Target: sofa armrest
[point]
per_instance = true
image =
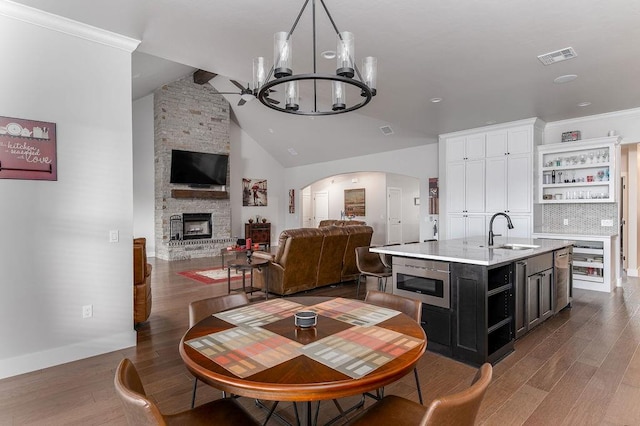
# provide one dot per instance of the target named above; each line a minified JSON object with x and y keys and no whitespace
{"x":263,"y":255}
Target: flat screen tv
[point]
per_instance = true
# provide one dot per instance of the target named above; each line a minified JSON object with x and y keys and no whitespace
{"x":198,"y":169}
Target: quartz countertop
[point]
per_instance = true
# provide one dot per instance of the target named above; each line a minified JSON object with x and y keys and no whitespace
{"x":473,"y":251}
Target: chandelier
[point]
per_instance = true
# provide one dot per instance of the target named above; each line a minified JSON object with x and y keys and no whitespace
{"x":347,"y":80}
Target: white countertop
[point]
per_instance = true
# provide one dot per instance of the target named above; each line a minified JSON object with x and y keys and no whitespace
{"x":473,"y":251}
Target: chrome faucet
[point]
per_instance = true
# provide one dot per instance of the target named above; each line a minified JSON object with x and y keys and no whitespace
{"x":491,"y":234}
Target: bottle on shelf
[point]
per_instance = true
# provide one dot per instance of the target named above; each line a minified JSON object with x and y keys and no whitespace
{"x":553,"y":176}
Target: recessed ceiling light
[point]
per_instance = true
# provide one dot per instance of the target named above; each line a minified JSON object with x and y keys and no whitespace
{"x":584,"y":104}
{"x":565,"y":78}
{"x":136,"y":75}
{"x":491,"y":122}
{"x":270,"y":130}
{"x":292,"y":151}
{"x":328,"y":54}
{"x":435,"y":100}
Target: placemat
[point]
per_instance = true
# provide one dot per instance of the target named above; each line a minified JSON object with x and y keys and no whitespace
{"x":259,"y":314}
{"x":353,"y":311}
{"x":359,"y":350}
{"x":245,"y":351}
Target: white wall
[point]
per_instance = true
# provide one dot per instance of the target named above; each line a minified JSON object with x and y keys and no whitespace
{"x":55,"y":254}
{"x":420,"y":162}
{"x":626,"y":123}
{"x":410,"y":211}
{"x":143,"y":172}
{"x":247,"y":159}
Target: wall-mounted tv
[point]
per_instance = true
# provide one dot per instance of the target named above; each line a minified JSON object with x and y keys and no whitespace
{"x":198,"y":169}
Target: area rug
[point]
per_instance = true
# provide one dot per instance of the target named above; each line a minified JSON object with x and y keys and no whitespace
{"x":212,"y":275}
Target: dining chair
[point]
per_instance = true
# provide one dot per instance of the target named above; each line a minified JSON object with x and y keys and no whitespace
{"x":201,"y":309}
{"x":460,"y":409}
{"x":370,"y":265}
{"x":139,"y":410}
{"x":410,"y":307}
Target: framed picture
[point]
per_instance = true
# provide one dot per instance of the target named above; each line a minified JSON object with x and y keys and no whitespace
{"x":354,"y":202}
{"x":27,"y":149}
{"x":254,"y":192}
{"x":292,"y":201}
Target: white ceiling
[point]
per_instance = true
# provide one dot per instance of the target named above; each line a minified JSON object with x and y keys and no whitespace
{"x":479,"y":56}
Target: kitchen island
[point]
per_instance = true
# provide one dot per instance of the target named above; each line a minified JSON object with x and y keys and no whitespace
{"x":478,"y":299}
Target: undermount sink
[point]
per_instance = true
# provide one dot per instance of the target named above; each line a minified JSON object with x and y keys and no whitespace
{"x":516,"y":246}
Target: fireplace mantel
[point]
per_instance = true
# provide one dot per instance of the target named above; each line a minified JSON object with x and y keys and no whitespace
{"x":199,"y":193}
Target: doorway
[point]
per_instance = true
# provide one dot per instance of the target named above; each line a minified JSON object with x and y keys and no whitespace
{"x":320,"y":207}
{"x":394,"y":216}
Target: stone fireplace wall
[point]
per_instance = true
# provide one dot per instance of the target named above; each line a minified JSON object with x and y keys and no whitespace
{"x":191,"y":117}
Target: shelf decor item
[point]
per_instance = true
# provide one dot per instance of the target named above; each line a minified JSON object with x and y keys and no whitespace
{"x":27,"y":149}
{"x":573,"y":135}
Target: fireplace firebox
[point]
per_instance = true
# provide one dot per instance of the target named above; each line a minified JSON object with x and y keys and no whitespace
{"x":196,"y":225}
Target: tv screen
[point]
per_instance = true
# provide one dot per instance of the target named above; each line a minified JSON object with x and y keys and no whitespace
{"x":198,"y":168}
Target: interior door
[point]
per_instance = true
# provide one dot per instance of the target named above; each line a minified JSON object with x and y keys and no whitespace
{"x":394,"y":215}
{"x":320,"y":207}
{"x":307,"y":211}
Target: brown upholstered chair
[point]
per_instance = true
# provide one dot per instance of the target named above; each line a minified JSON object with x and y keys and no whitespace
{"x":359,"y":236}
{"x":201,"y":309}
{"x":370,"y":265}
{"x":460,"y":409}
{"x":409,"y":307}
{"x":141,"y":281}
{"x":140,"y":410}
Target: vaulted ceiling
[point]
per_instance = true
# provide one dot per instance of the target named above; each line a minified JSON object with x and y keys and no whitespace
{"x":480,"y":57}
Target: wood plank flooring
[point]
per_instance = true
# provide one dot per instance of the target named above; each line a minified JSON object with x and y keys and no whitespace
{"x":581,"y":367}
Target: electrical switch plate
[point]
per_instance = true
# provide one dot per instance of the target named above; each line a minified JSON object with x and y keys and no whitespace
{"x":87,"y":311}
{"x":114,"y":236}
{"x":606,"y":222}
{"x":565,"y":221}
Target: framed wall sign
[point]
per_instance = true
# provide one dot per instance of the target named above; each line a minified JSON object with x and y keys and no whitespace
{"x":27,"y":149}
{"x":292,"y":201}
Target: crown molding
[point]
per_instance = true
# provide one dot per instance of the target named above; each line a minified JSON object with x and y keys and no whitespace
{"x":533,"y":121}
{"x":596,"y":117}
{"x":67,"y":26}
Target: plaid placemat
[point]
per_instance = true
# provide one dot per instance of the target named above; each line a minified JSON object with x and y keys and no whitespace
{"x":260,"y":314}
{"x":245,"y":351}
{"x":359,"y":350}
{"x":353,"y":311}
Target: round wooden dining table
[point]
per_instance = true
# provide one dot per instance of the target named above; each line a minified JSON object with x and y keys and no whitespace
{"x":301,"y":378}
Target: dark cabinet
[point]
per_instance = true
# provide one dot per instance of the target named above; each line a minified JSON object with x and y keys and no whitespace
{"x":534,"y":292}
{"x":258,"y":232}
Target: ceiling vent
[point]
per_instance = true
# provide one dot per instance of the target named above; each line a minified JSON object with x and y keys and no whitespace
{"x":558,"y":56}
{"x":386,"y":130}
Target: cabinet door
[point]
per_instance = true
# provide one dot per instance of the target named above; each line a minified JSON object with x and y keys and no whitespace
{"x":455,"y":149}
{"x":519,"y":183}
{"x":546,"y":294}
{"x":521,"y":226}
{"x":496,"y":195}
{"x":520,"y":141}
{"x":496,"y":144}
{"x":533,"y":301}
{"x":474,"y":146}
{"x":475,"y":226}
{"x":456,"y":226}
{"x":521,"y":298}
{"x":456,"y":187}
{"x":474,"y":186}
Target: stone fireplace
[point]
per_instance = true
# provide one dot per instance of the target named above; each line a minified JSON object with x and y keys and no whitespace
{"x":190,"y":117}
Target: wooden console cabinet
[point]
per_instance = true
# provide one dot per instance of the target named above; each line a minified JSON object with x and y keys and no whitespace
{"x":258,"y":232}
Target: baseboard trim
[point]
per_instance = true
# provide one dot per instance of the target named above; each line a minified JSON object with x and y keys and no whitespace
{"x":38,"y":360}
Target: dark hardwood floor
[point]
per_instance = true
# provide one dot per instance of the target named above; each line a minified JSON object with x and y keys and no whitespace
{"x":581,"y":367}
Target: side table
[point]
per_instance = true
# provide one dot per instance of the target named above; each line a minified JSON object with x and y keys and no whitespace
{"x":244,"y":265}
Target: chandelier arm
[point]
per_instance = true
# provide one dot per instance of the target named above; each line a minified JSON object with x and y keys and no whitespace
{"x":295,"y":24}
{"x":315,"y":86}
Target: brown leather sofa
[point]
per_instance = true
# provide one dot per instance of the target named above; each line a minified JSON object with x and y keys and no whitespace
{"x":313,"y":257}
{"x":335,"y":222}
{"x":141,"y":281}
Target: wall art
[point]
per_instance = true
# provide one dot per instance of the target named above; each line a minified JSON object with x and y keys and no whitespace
{"x":292,"y":201}
{"x":27,"y":149}
{"x":254,"y":192}
{"x":354,"y":202}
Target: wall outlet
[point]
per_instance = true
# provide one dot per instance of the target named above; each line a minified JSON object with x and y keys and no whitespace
{"x":565,"y":221}
{"x":87,"y":311}
{"x":606,"y":222}
{"x":114,"y":236}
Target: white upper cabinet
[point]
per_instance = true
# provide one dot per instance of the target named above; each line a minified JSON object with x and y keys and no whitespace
{"x":466,"y":148}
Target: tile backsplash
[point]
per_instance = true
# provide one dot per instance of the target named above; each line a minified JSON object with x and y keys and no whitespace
{"x":583,"y":218}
